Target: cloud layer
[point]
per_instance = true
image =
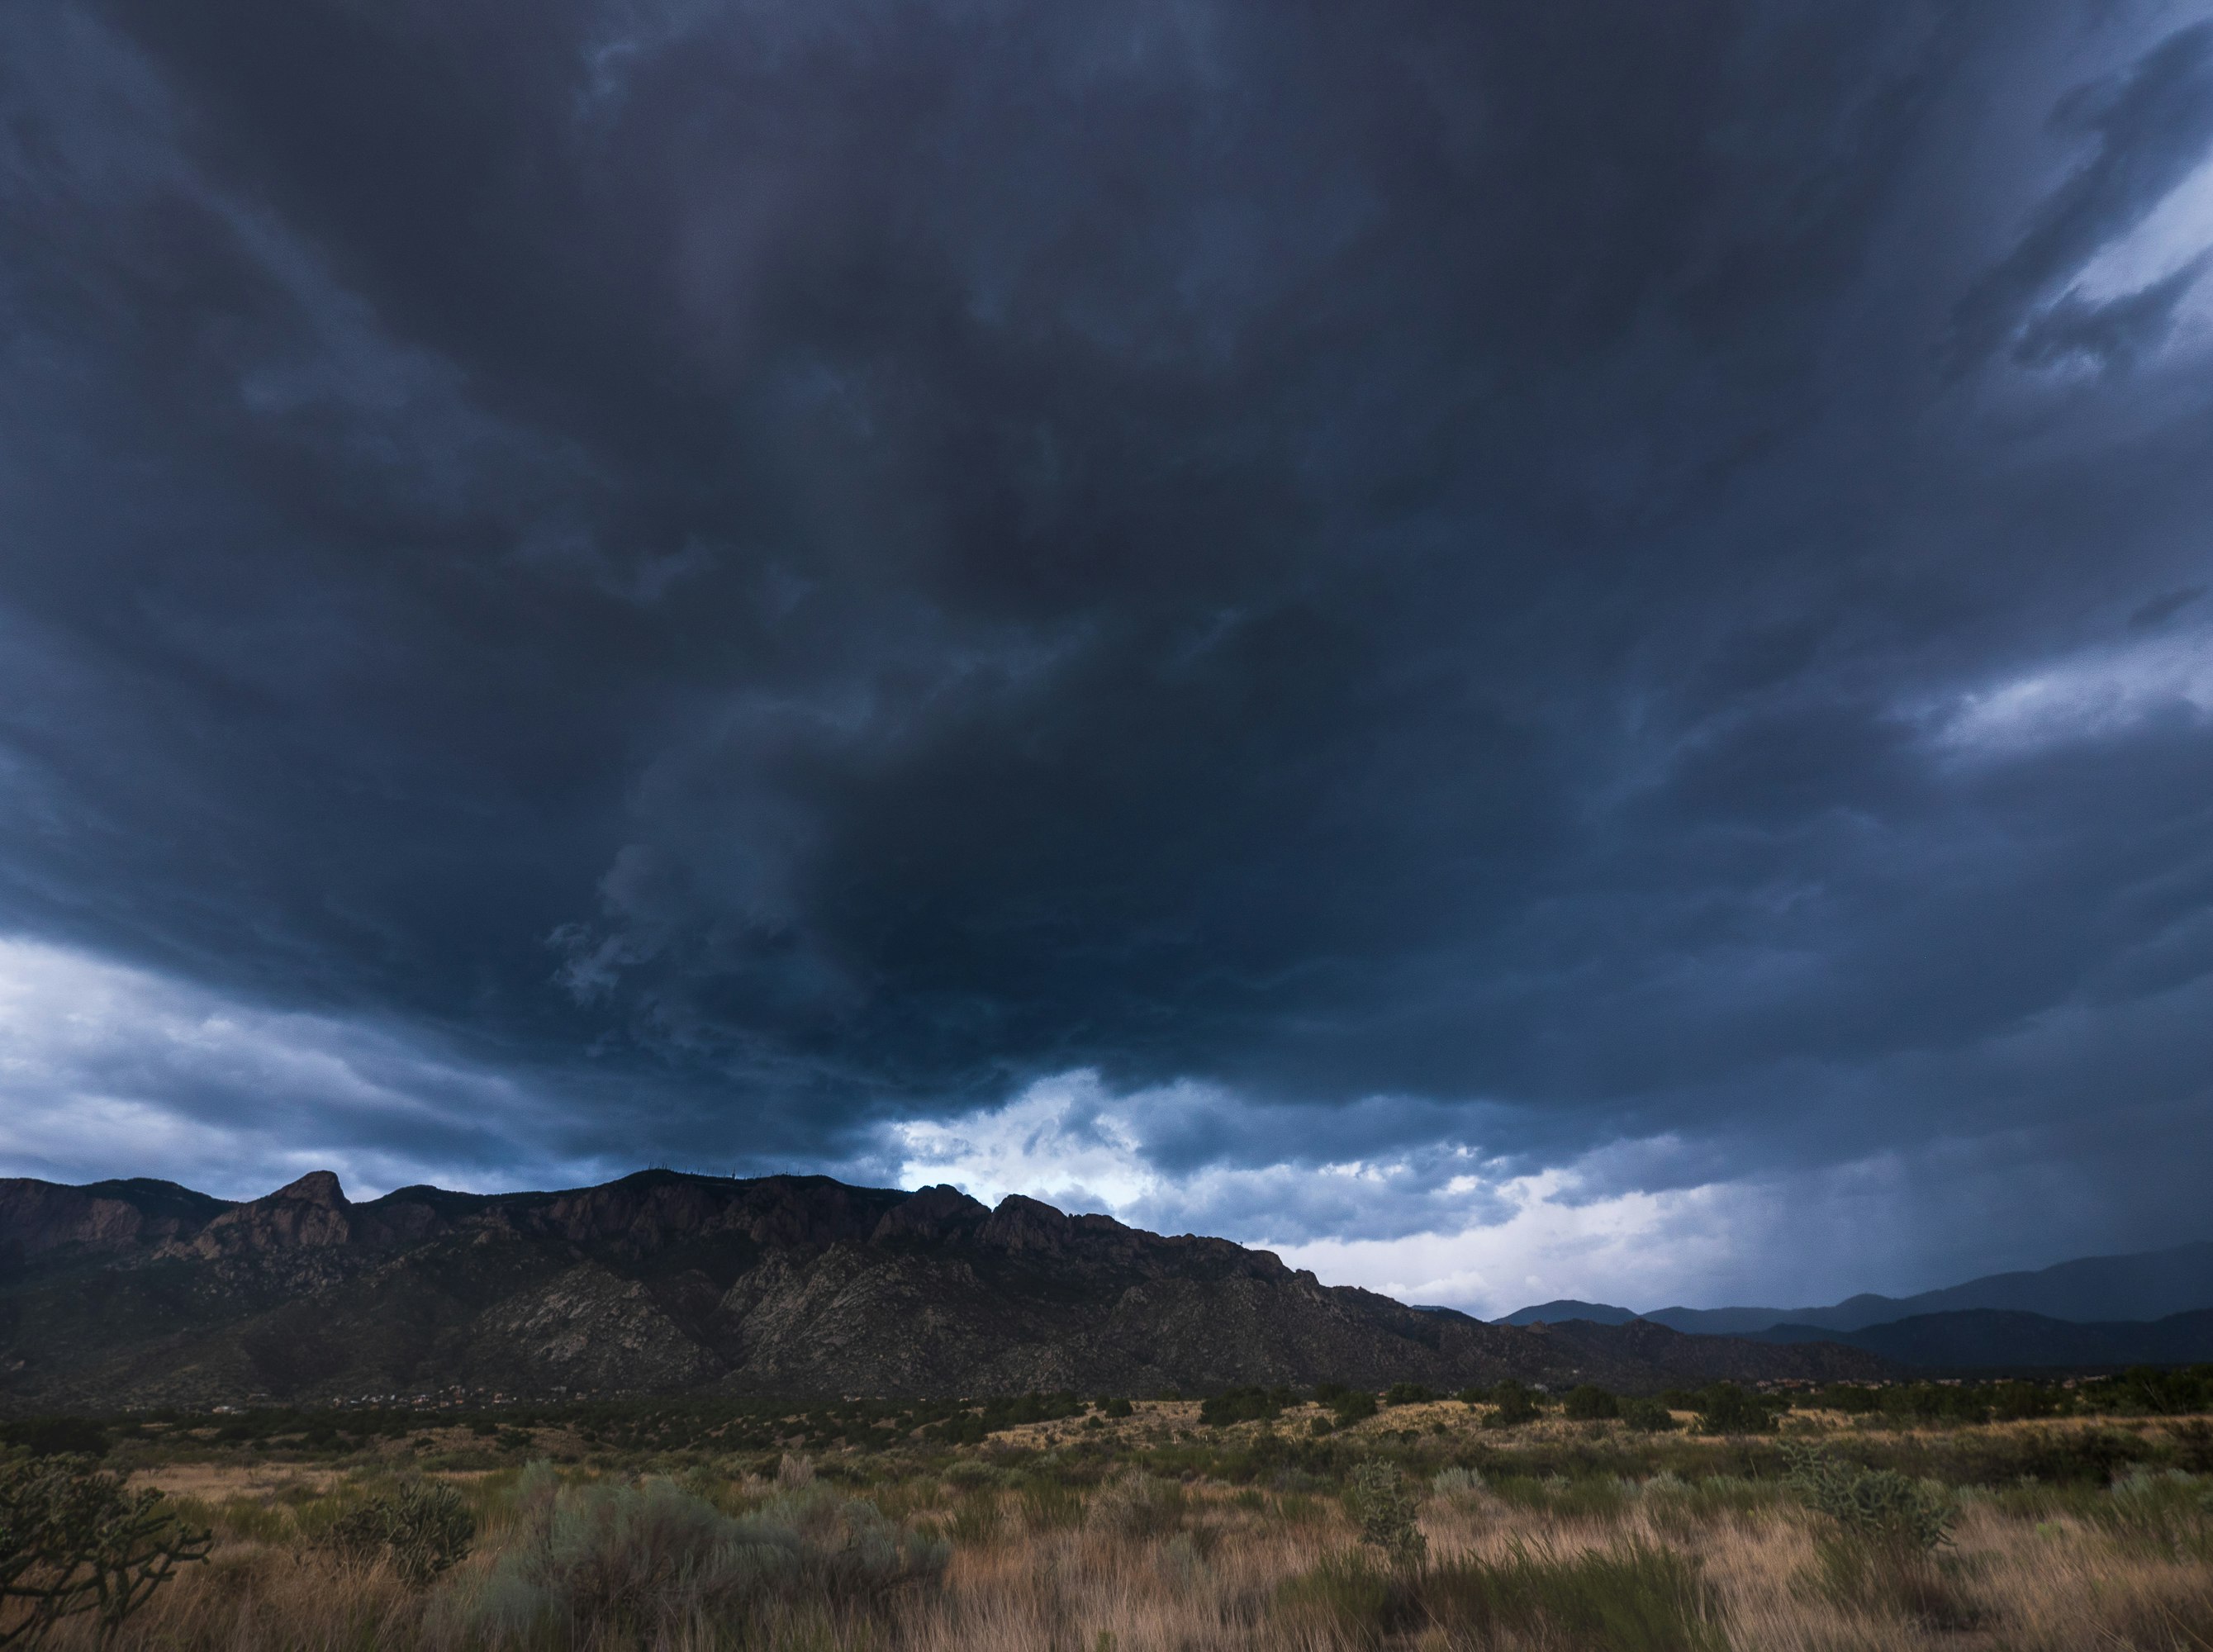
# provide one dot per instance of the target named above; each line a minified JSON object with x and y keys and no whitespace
{"x":1535,"y":634}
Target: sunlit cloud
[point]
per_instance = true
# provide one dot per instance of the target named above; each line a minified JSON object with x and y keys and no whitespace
{"x":2085,"y":696}
{"x":1439,"y":1224}
{"x":2176,"y":234}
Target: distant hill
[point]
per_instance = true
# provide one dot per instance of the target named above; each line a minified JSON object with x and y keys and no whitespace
{"x":1988,"y":1339}
{"x":2094,"y":1290}
{"x":1566,"y":1308}
{"x":140,"y":1293}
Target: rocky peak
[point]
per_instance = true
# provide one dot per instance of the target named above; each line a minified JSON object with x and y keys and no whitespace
{"x":1022,"y":1224}
{"x":308,"y":1214}
{"x":931,"y":1216}
{"x":316,"y":1187}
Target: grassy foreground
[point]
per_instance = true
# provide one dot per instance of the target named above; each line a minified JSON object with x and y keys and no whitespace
{"x":1142,"y":1533}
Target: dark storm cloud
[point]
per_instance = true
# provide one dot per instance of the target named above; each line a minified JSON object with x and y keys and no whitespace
{"x":1560,"y":575}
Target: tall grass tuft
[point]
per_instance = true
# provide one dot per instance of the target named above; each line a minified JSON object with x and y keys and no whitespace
{"x":1637,"y":1598}
{"x":591,"y":1564}
{"x":1135,"y":1504}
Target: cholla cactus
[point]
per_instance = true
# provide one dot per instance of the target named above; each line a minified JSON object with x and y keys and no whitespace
{"x":424,"y":1527}
{"x":73,"y":1540}
{"x":1876,"y":1504}
{"x":1383,"y":1509}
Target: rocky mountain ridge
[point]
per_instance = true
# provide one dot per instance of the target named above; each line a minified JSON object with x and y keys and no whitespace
{"x":128,"y":1293}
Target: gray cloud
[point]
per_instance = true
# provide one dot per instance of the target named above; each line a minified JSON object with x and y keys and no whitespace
{"x":1491,"y":589}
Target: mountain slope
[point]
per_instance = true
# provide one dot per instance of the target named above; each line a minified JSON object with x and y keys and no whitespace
{"x":2090,"y":1291}
{"x":140,"y":1293}
{"x":1988,"y":1338}
{"x":1566,"y":1308}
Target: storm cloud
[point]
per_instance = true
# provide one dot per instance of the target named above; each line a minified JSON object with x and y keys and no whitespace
{"x":1352,"y":625}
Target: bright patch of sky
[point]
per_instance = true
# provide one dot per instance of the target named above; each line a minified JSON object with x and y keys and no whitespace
{"x":2175,"y":234}
{"x":1487,"y":1243}
{"x":108,"y":1070}
{"x":2095,"y":693}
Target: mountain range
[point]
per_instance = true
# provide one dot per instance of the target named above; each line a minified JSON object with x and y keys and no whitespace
{"x":2151,"y":1308}
{"x":143,"y":1293}
{"x":1991,"y":1339}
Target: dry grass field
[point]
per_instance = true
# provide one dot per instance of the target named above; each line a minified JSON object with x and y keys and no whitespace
{"x":1150,"y":1533}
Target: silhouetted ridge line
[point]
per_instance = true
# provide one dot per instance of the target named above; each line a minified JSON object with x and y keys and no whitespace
{"x":132,"y":1293}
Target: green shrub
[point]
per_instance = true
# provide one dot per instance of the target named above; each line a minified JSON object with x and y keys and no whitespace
{"x":1647,"y":1416}
{"x":1381,"y":1506}
{"x":1876,"y":1504}
{"x":2192,"y":1444}
{"x":1346,"y":1404}
{"x":1727,"y":1409}
{"x":424,"y":1528}
{"x":2158,"y":1514}
{"x":55,"y":1437}
{"x":72,"y":1540}
{"x":1116,"y":1408}
{"x":1408,"y":1393}
{"x":1512,"y":1405}
{"x":1248,"y":1404}
{"x":961,"y":1429}
{"x":1587,"y":1497}
{"x":1588,"y":1403}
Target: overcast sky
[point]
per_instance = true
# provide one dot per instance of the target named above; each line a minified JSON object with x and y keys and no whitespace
{"x":1517,"y":649}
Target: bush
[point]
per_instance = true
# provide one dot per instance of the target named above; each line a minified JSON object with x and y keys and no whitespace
{"x":1249,"y":1405}
{"x":1727,"y":1409}
{"x":1647,"y":1416}
{"x":1381,"y":1506}
{"x":1877,"y":1504}
{"x":1408,"y":1393}
{"x":961,"y":1429}
{"x":55,"y":1437}
{"x":1456,"y":1482}
{"x":1346,"y":1404}
{"x":1588,"y":1403}
{"x":2159,"y":1515}
{"x":424,"y":1528}
{"x":597,"y":1564}
{"x":1116,"y":1408}
{"x":2193,"y":1446}
{"x":1512,"y":1405}
{"x":72,"y":1540}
